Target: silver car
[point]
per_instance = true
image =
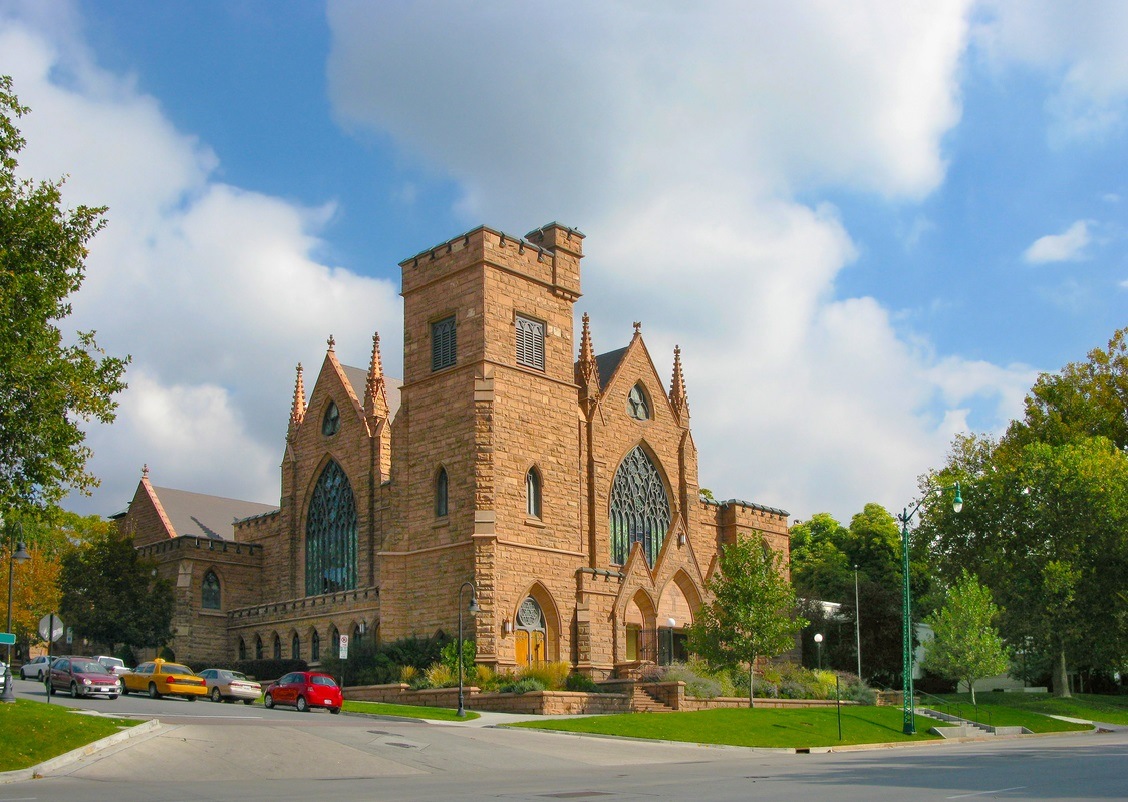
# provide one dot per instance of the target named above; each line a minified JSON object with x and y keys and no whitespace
{"x":228,"y":686}
{"x":115,"y":665}
{"x":36,"y":668}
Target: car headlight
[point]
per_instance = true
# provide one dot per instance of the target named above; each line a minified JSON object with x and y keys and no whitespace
{"x":86,"y":681}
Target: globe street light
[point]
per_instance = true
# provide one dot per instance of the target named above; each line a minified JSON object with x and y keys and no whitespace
{"x":818,"y":643}
{"x":473,"y":609}
{"x":16,"y":553}
{"x":908,"y":714}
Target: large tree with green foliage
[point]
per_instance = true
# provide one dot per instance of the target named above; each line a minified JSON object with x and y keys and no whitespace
{"x":752,"y":614}
{"x":1046,"y":519}
{"x":966,"y":645}
{"x":112,"y":595}
{"x":49,"y":382}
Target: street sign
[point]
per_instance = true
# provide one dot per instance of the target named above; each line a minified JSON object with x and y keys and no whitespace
{"x":7,"y":639}
{"x":344,"y":647}
{"x":51,"y":627}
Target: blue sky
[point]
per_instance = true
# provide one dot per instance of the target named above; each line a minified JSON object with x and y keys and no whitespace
{"x":868,"y":225}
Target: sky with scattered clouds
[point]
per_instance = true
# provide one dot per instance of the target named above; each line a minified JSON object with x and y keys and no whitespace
{"x":868,"y":225}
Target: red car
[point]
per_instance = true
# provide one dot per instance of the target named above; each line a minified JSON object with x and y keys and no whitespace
{"x":303,"y":690}
{"x":81,"y":676}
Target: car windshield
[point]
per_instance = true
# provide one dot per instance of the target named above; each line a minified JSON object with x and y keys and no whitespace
{"x":88,"y":667}
{"x":110,"y":661}
{"x":316,"y":680}
{"x":235,"y":675}
{"x":173,"y":668}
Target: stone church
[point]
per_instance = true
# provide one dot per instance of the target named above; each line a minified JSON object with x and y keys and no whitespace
{"x":511,"y":464}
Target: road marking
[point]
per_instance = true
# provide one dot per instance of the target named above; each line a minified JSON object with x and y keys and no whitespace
{"x":982,"y":793}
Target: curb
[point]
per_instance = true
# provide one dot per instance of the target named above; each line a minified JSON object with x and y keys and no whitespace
{"x":145,"y":728}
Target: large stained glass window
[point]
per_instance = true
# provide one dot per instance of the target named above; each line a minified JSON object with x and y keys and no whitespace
{"x":640,"y":509}
{"x":331,"y":534}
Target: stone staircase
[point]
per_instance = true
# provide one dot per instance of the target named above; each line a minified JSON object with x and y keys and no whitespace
{"x":642,"y":701}
{"x":963,"y":728}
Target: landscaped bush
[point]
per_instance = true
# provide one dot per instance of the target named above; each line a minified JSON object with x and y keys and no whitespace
{"x":551,"y":676}
{"x":526,"y":685}
{"x":372,"y":663}
{"x":698,"y":683}
{"x":439,"y":675}
{"x":581,"y":683}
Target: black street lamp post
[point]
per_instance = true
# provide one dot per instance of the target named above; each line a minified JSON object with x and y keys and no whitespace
{"x":16,"y":553}
{"x":473,"y":609}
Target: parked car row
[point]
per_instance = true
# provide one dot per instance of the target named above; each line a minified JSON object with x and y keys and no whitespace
{"x":108,"y":676}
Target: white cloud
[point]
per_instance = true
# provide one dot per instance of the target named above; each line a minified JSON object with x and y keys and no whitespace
{"x":677,"y":139}
{"x":1081,"y":48}
{"x":1068,"y":246}
{"x":212,"y":289}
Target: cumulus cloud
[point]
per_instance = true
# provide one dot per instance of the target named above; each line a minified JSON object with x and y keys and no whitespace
{"x":1068,"y":246}
{"x":679,"y":140}
{"x":213,"y":290}
{"x":1080,"y":46}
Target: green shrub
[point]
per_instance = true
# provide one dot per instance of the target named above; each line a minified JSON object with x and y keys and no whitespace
{"x":408,"y":674}
{"x":439,"y":675}
{"x":551,"y":676}
{"x":525,"y":685}
{"x":581,"y":683}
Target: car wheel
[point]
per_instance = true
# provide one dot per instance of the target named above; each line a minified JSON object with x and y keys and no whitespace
{"x":74,"y":690}
{"x":113,"y":696}
{"x":191,"y":698}
{"x":269,"y":702}
{"x":22,"y":674}
{"x":216,"y":696}
{"x":334,"y":710}
{"x":124,"y":690}
{"x":153,"y":692}
{"x":302,"y":705}
{"x":248,"y":701}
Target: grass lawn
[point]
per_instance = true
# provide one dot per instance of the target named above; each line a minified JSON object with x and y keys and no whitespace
{"x":1109,"y":709}
{"x":407,"y":711}
{"x":31,"y":732}
{"x":763,"y":727}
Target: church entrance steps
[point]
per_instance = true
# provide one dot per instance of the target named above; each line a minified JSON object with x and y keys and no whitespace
{"x":642,"y":701}
{"x":965,"y":728}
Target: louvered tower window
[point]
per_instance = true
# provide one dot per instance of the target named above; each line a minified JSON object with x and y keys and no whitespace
{"x":640,"y":509}
{"x":331,"y":534}
{"x":444,"y":344}
{"x":530,"y":343}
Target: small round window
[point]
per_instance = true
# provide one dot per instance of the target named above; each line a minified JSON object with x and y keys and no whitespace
{"x":636,"y":403}
{"x":332,"y":420}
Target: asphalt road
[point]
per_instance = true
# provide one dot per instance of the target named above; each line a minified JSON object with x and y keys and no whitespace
{"x":225,"y":752}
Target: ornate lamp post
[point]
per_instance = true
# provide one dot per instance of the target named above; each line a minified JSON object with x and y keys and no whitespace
{"x":857,"y":623}
{"x":908,"y":712}
{"x":473,"y":609}
{"x":16,"y":553}
{"x":818,"y":643}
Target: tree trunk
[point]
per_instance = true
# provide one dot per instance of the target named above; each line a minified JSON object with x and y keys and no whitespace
{"x":751,"y":674}
{"x":971,"y":687}
{"x":1061,"y":677}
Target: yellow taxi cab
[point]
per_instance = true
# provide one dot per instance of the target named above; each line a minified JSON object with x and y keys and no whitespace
{"x":161,"y":678}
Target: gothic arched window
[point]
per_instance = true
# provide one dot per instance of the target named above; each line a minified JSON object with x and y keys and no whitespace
{"x":637,"y":406}
{"x":331,"y":423}
{"x":331,"y":534}
{"x":209,"y":593}
{"x":314,"y":646}
{"x":258,"y":647}
{"x":242,"y":649}
{"x":277,"y":647}
{"x":295,"y":647}
{"x":640,"y":509}
{"x":441,"y":494}
{"x":533,"y":493}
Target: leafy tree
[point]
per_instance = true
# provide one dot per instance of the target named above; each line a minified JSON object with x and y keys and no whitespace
{"x":967,"y":646}
{"x":1085,"y":399}
{"x":752,"y":612}
{"x":47,"y":386}
{"x":1046,"y":528}
{"x":111,"y":595}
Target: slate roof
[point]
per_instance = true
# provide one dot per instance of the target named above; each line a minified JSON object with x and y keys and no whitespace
{"x":203,"y":516}
{"x":358,"y":378}
{"x":607,"y":363}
